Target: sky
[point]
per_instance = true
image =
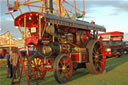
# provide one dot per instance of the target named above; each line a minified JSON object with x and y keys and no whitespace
{"x":112,"y":14}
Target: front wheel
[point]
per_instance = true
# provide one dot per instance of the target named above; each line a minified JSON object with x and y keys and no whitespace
{"x":63,"y":68}
{"x":37,"y":62}
{"x":97,"y":57}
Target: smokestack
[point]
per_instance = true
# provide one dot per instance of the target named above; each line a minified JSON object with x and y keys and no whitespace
{"x":49,"y":6}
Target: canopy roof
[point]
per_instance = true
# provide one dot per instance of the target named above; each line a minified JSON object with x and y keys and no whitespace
{"x":31,"y":19}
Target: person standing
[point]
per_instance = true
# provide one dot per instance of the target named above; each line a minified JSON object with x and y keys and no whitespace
{"x":8,"y":65}
{"x":14,"y":60}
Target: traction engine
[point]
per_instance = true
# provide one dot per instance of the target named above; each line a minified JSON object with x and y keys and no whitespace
{"x":56,"y":42}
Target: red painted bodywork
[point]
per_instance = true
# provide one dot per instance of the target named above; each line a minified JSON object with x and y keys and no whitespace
{"x":33,"y":40}
{"x":19,"y":21}
{"x":79,"y":56}
{"x":84,"y":37}
{"x":112,"y":33}
{"x":92,"y":22}
{"x":32,"y":20}
{"x":109,"y":53}
{"x":75,"y":57}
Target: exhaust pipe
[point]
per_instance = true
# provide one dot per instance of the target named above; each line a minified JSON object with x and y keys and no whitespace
{"x":49,"y":6}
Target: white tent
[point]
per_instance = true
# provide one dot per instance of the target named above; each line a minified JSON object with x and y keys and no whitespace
{"x":7,"y":40}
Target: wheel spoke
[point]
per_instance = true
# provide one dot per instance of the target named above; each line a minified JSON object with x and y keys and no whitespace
{"x":61,"y":63}
{"x":34,"y":62}
{"x":99,"y":49}
{"x":59,"y":68}
{"x":101,"y":62}
{"x":67,"y":63}
{"x":61,"y":74}
{"x":94,"y":51}
{"x":100,"y":54}
{"x":66,"y":75}
{"x":64,"y":60}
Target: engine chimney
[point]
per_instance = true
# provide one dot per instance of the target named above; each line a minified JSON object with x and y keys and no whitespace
{"x":49,"y":6}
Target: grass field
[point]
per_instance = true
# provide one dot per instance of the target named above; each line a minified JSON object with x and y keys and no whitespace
{"x":116,"y":74}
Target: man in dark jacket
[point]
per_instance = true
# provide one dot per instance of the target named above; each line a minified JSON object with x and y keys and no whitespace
{"x":9,"y":66}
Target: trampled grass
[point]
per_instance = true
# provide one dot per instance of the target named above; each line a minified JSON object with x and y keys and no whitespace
{"x":116,"y":74}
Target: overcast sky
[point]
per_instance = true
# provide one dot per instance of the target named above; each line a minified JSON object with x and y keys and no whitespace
{"x":113,"y":14}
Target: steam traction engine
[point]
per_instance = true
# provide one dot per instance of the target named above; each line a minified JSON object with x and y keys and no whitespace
{"x":60,"y":43}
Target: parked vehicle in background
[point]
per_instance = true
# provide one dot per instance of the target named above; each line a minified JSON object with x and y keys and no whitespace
{"x":113,"y":43}
{"x":125,"y":43}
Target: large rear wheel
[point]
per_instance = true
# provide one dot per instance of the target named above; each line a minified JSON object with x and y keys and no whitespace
{"x":97,"y":57}
{"x":63,"y":68}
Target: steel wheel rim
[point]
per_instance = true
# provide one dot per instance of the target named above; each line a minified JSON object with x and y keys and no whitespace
{"x":64,"y":68}
{"x":99,"y":57}
{"x":37,"y":62}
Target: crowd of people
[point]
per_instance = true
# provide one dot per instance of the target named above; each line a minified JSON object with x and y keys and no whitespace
{"x":12,"y":59}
